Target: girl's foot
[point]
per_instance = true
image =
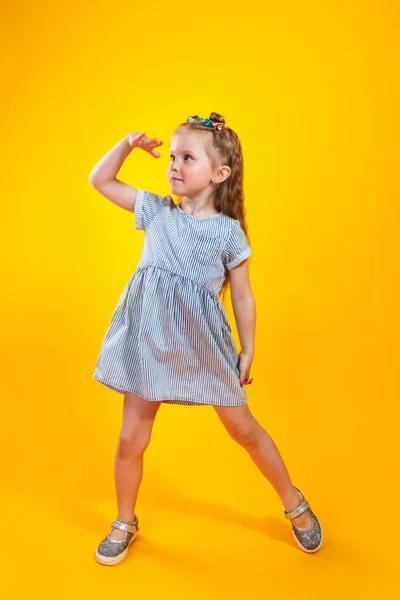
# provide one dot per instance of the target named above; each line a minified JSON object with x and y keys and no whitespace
{"x":114,"y":548}
{"x":309,"y":538}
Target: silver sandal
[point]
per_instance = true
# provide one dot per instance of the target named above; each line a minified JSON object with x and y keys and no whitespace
{"x":309,"y":539}
{"x":112,"y":552}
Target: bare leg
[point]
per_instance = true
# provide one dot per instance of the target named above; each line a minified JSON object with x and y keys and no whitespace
{"x":135,"y":434}
{"x":244,"y":428}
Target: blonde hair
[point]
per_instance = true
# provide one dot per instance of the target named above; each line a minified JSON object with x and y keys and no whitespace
{"x":223,"y":148}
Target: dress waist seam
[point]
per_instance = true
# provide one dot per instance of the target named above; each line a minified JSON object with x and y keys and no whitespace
{"x":179,"y":275}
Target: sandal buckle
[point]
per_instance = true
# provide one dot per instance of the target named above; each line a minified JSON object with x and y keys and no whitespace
{"x":124,"y":525}
{"x":296,"y":512}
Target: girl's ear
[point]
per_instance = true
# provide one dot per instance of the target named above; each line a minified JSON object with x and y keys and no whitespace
{"x":222,"y":174}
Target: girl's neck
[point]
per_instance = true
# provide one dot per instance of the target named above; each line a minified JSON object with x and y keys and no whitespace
{"x":192,"y":208}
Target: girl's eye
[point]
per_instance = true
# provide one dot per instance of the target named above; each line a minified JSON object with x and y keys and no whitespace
{"x":172,"y":156}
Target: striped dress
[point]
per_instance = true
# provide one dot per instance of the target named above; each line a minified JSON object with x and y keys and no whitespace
{"x":169,"y":338}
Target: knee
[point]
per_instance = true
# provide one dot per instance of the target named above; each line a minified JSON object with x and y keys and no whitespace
{"x":133,"y":444}
{"x":245,"y":433}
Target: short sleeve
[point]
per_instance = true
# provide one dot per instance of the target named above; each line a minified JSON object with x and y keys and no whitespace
{"x":147,"y":206}
{"x":237,"y":248}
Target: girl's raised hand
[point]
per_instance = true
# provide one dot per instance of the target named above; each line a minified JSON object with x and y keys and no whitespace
{"x":139,"y":140}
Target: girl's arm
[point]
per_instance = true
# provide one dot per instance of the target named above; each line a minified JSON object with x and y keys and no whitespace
{"x":244,"y":309}
{"x":103,"y":176}
{"x":244,"y":306}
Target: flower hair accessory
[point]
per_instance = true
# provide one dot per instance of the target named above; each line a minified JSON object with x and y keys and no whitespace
{"x":207,"y":122}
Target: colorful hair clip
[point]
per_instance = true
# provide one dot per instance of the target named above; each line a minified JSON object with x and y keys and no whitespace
{"x":207,"y":122}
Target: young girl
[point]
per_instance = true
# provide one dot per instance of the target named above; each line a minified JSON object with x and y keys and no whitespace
{"x":169,"y":340}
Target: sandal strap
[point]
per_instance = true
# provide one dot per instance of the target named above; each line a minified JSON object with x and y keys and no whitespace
{"x":124,"y":525}
{"x":293,"y":514}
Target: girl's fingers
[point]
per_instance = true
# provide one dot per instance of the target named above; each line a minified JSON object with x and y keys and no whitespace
{"x":153,"y":145}
{"x":146,"y":143}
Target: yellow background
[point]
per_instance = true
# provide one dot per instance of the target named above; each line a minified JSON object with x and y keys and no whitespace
{"x":312,"y":88}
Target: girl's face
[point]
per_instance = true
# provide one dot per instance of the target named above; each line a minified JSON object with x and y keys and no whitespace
{"x":190,"y":171}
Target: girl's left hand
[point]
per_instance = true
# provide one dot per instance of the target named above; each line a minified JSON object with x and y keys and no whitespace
{"x":245,"y":360}
{"x":140,"y":140}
